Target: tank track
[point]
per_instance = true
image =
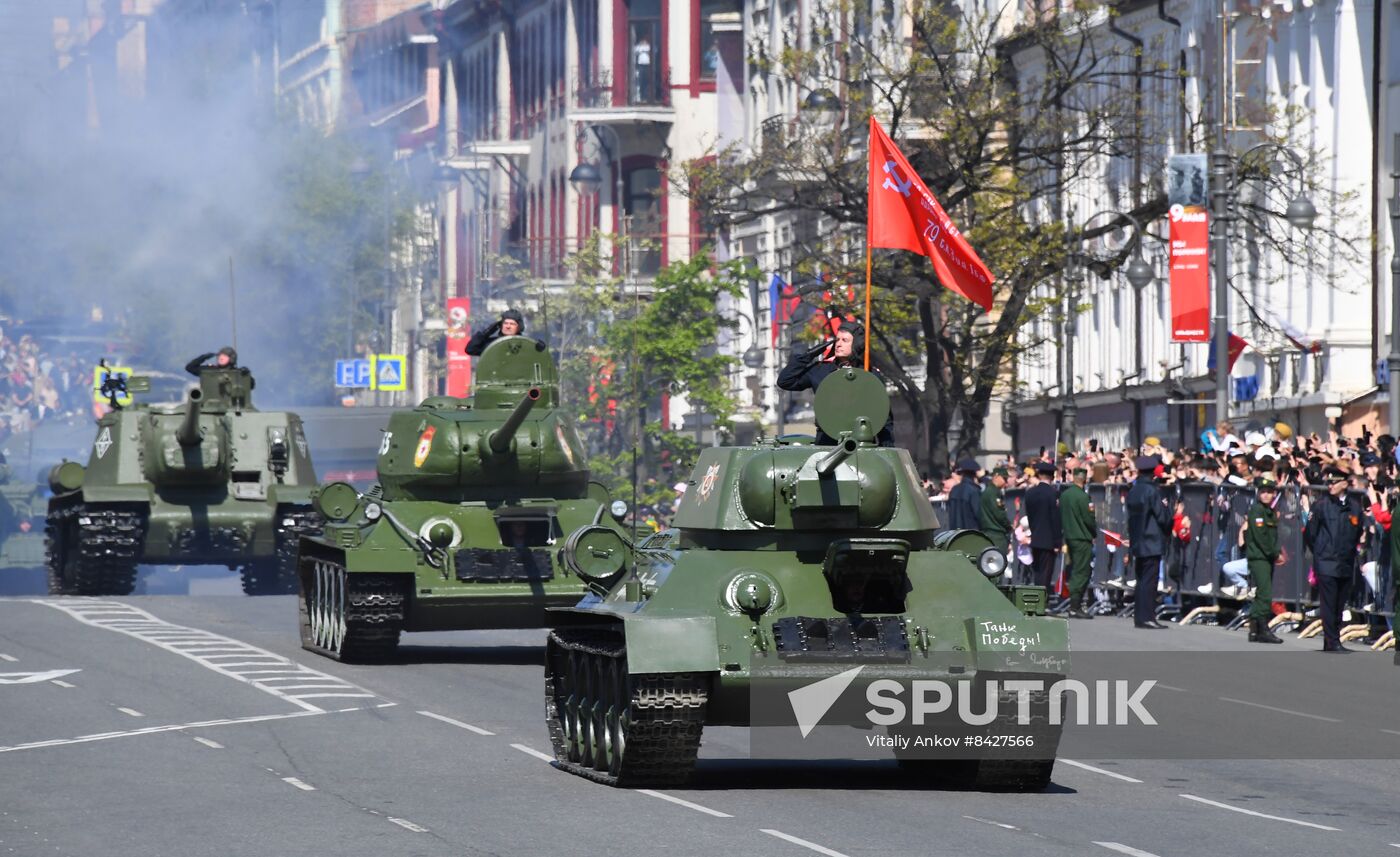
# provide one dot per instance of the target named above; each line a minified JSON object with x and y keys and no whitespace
{"x":93,"y":550}
{"x":619,"y":729}
{"x":278,"y":576}
{"x":355,"y":618}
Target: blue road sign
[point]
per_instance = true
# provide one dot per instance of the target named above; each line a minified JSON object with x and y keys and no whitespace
{"x":352,"y":373}
{"x":389,"y":372}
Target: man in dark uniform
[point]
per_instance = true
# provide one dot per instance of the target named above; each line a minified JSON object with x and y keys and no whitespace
{"x":224,"y":358}
{"x":965,"y":498}
{"x":511,"y":323}
{"x":1261,"y":549}
{"x":1149,"y":522}
{"x":1080,"y":529}
{"x":1043,"y":512}
{"x":991,"y":512}
{"x":807,"y":370}
{"x":1333,"y":534}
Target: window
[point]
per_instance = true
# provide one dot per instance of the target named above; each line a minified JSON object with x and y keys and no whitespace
{"x":716,"y":18}
{"x":645,"y":55}
{"x":647,"y":228}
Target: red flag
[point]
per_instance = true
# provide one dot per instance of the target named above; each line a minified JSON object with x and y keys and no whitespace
{"x":903,"y":215}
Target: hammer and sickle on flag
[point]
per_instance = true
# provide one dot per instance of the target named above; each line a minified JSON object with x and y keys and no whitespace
{"x":893,"y":221}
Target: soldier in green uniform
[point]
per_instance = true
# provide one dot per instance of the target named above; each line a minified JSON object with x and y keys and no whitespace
{"x":1080,"y":528}
{"x":1261,"y":549}
{"x":991,"y":514}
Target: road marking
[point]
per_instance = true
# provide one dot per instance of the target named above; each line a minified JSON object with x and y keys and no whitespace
{"x":533,"y":752}
{"x":1244,"y":811}
{"x":992,"y":823}
{"x":34,"y":677}
{"x":210,"y":650}
{"x":1125,"y":849}
{"x":293,"y":781}
{"x":1280,"y":710}
{"x":467,"y":726}
{"x":1391,"y":732}
{"x":1085,"y":767}
{"x":61,"y":683}
{"x":11,"y":658}
{"x":133,"y":712}
{"x":149,"y":730}
{"x":213,"y":745}
{"x":804,"y":843}
{"x":685,"y":803}
{"x":408,"y":825}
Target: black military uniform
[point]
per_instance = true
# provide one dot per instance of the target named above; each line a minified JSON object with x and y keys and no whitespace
{"x":965,"y":499}
{"x":1261,"y":548}
{"x":1043,"y":513}
{"x":1080,"y":529}
{"x":486,"y":336}
{"x":197,"y":363}
{"x":806,"y":371}
{"x":991,"y":514}
{"x":1334,"y":534}
{"x":1149,"y":523}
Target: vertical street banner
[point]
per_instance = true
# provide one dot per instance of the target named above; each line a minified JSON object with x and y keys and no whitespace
{"x":459,"y":364}
{"x":1190,"y":273}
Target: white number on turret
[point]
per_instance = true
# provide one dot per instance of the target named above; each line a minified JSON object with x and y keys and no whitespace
{"x":384,"y":442}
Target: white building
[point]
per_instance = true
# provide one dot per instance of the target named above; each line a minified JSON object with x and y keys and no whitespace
{"x":1313,"y":62}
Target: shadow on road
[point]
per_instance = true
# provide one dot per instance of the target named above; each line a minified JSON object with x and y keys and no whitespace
{"x":736,"y":774}
{"x":495,"y":655}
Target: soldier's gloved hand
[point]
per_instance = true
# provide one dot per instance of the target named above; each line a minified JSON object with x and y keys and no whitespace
{"x":494,"y":329}
{"x":815,"y":352}
{"x":203,"y":357}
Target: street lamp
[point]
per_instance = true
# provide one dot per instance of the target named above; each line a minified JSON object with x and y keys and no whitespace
{"x":1300,"y":214}
{"x":822,"y":100}
{"x":1139,"y":273}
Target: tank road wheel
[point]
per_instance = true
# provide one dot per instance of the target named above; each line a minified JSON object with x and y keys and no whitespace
{"x":93,"y":550}
{"x":616,"y":728}
{"x":350,"y":617}
{"x":260,"y":578}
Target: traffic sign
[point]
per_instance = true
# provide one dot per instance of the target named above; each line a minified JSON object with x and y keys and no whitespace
{"x":353,"y":373}
{"x":388,"y":372}
{"x":98,"y":373}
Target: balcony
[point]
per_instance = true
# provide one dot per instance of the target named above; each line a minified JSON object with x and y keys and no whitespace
{"x":647,"y":97}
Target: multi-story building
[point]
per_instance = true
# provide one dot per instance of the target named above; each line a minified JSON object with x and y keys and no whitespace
{"x":532,"y":89}
{"x":1313,"y":74}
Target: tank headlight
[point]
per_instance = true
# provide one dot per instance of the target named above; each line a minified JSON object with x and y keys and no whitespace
{"x":373,"y":511}
{"x":618,"y":509}
{"x":991,"y":562}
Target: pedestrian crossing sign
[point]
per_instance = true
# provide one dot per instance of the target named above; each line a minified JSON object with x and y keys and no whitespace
{"x":388,"y":372}
{"x":99,"y":373}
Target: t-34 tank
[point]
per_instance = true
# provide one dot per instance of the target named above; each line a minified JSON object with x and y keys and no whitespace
{"x":789,"y":564}
{"x":210,"y":481}
{"x":463,"y":527}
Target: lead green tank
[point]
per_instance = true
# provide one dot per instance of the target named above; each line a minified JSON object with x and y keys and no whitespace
{"x":210,"y":481}
{"x":463,"y":528}
{"x":790,"y":563}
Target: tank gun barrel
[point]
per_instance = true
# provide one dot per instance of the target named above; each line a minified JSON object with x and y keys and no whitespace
{"x":829,"y":462}
{"x":188,"y":433}
{"x":500,"y":438}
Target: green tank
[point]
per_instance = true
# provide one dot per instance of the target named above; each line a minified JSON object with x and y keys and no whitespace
{"x":787,"y":563}
{"x":24,"y":494}
{"x":210,"y":481}
{"x":463,"y":528}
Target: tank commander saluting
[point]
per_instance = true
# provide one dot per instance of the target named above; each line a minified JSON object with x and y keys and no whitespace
{"x":807,"y":370}
{"x":224,"y":358}
{"x":511,"y":323}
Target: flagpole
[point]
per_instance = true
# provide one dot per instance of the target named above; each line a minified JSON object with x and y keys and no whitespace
{"x":868,"y":329}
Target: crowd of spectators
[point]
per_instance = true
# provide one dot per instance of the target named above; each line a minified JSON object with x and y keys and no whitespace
{"x":38,"y":384}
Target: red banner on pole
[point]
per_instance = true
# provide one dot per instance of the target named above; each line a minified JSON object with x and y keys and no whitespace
{"x":459,"y":364}
{"x":1190,"y":273}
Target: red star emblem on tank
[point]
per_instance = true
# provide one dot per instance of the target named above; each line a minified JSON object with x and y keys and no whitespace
{"x":708,"y":483}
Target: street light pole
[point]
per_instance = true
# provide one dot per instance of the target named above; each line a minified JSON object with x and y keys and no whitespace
{"x":1220,"y":175}
{"x":1393,"y":360}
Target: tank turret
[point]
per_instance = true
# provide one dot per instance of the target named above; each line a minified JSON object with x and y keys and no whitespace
{"x":188,"y":433}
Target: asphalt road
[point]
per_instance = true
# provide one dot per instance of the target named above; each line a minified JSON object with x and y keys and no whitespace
{"x":176,"y":725}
